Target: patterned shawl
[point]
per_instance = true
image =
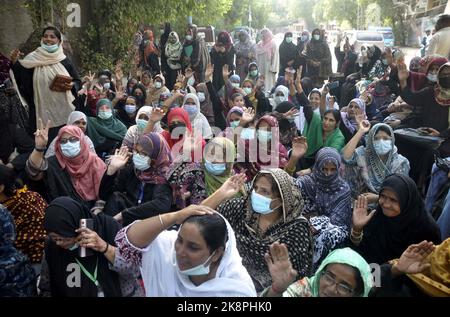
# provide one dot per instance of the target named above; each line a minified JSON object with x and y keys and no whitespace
{"x":292,"y":229}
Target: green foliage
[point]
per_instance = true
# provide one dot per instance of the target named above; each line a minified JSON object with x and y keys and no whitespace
{"x":45,"y":12}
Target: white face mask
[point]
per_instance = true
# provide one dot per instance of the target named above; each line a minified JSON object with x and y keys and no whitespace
{"x":189,"y":37}
{"x":279,"y":99}
{"x":235,"y":85}
{"x":382,"y":147}
{"x":247,"y":90}
{"x":264,"y":136}
{"x":248,"y":134}
{"x":432,"y":77}
{"x":201,"y":269}
{"x":70,"y":149}
{"x":317,"y":37}
{"x":158,"y":85}
{"x":191,"y":81}
{"x":201,"y":96}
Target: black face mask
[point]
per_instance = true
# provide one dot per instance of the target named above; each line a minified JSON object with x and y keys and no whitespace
{"x":444,"y":82}
{"x":173,"y":126}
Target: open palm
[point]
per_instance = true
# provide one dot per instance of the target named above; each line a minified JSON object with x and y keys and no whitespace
{"x":233,"y":185}
{"x":360,"y":216}
{"x":299,"y":146}
{"x":119,"y":159}
{"x":412,"y":261}
{"x":280,"y":267}
{"x":248,"y":115}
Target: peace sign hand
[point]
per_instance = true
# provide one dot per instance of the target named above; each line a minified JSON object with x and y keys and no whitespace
{"x":41,"y":134}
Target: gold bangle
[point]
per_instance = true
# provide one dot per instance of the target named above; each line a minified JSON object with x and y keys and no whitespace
{"x":160,"y":220}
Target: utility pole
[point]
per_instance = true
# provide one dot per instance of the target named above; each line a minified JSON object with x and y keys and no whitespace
{"x":250,"y":16}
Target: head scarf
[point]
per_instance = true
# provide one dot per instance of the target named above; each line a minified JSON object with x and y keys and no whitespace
{"x":246,"y":46}
{"x":63,"y":217}
{"x":344,"y":256}
{"x":224,"y":38}
{"x":206,"y":106}
{"x":76,"y":116}
{"x":234,"y":110}
{"x":99,"y":130}
{"x":414,"y":64}
{"x":85,"y":170}
{"x":288,"y":51}
{"x":266,"y":43}
{"x":159,"y":153}
{"x":134,"y":132}
{"x":351,"y":123}
{"x":150,"y":47}
{"x":184,"y":117}
{"x":17,"y":277}
{"x":198,"y":120}
{"x":442,"y":96}
{"x":284,"y":90}
{"x":173,"y":51}
{"x":213,"y":182}
{"x":232,"y":278}
{"x":385,"y":238}
{"x":140,"y":100}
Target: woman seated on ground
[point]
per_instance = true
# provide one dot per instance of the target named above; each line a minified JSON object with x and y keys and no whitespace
{"x":271,"y":211}
{"x":327,"y":203}
{"x":99,"y":275}
{"x":200,"y":259}
{"x":73,"y":171}
{"x":156,"y":90}
{"x":343,"y":273}
{"x":127,"y":111}
{"x":28,"y":209}
{"x":144,"y":116}
{"x":399,"y":220}
{"x":367,"y":167}
{"x":138,"y":190}
{"x":18,"y":279}
{"x":105,"y":130}
{"x":354,"y":113}
{"x":198,"y":121}
{"x":77,"y":119}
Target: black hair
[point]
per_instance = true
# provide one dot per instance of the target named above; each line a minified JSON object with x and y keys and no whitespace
{"x":442,"y":22}
{"x":234,"y":96}
{"x":55,"y":30}
{"x":336,"y":114}
{"x":213,"y":229}
{"x":105,"y":72}
{"x":384,"y":129}
{"x":9,"y":180}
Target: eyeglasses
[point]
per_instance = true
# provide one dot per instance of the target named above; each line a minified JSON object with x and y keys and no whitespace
{"x":71,"y":140}
{"x":341,"y":288}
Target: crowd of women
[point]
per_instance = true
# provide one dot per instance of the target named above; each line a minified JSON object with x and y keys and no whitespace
{"x":206,"y":174}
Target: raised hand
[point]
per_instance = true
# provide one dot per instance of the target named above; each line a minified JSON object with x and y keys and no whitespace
{"x":280,"y":267}
{"x":209,"y":73}
{"x":180,"y":78}
{"x":299,"y":147}
{"x":41,"y":134}
{"x":15,"y":55}
{"x":156,"y":115}
{"x":89,"y":78}
{"x":118,"y":160}
{"x":291,"y":113}
{"x":360,"y":216}
{"x":248,"y":115}
{"x":412,"y":261}
{"x":225,"y":71}
{"x":403,"y":72}
{"x":90,"y":239}
{"x":192,"y":210}
{"x":189,"y":72}
{"x":118,"y":72}
{"x":364,"y":126}
{"x":232,"y":185}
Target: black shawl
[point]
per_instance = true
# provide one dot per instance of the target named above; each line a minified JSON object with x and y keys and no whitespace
{"x":385,"y":238}
{"x":287,"y":52}
{"x":63,"y":217}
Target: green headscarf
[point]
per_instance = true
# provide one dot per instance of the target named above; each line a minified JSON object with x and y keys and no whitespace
{"x":314,"y":134}
{"x":99,"y":129}
{"x":214,"y":182}
{"x":344,"y":256}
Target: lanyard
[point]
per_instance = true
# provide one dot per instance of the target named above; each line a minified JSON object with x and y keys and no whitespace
{"x":89,"y":275}
{"x":141,"y":193}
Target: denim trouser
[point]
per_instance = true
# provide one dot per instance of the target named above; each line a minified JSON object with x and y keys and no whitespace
{"x":438,"y":179}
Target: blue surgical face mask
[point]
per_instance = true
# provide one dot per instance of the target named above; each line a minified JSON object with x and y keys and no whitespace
{"x":130,"y":109}
{"x":303,"y":38}
{"x":70,"y":149}
{"x":316,"y":37}
{"x":384,"y":61}
{"x":261,"y":204}
{"x":105,"y":115}
{"x":141,"y":162}
{"x":190,"y":109}
{"x":201,"y":269}
{"x":382,"y":147}
{"x":254,"y":73}
{"x":215,"y":168}
{"x":201,"y":96}
{"x":289,"y":40}
{"x":235,"y":85}
{"x":264,"y":136}
{"x":248,"y":134}
{"x":247,"y":90}
{"x":234,"y":124}
{"x":141,"y":124}
{"x":158,"y":85}
{"x":50,"y":48}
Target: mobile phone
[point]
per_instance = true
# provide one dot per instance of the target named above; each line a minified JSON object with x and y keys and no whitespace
{"x":89,"y":224}
{"x":333,"y":85}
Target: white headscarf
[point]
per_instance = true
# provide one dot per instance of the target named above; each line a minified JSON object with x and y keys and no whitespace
{"x":163,"y":279}
{"x":76,"y":116}
{"x":198,"y":120}
{"x":133,"y":132}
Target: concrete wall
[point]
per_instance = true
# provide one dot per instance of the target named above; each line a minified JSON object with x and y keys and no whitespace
{"x":15,"y":25}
